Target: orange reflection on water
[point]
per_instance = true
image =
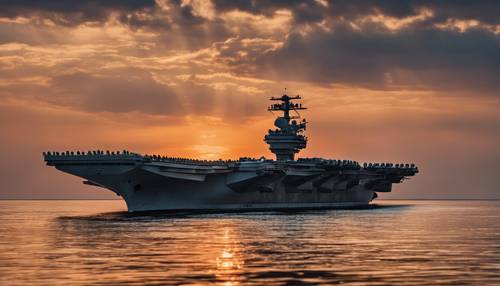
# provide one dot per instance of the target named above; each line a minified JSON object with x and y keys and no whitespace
{"x":397,"y":243}
{"x":229,"y":260}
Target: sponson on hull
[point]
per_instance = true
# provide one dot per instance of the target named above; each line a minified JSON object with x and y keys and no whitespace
{"x":161,"y":183}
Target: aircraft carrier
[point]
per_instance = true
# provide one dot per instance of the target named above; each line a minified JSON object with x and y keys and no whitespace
{"x":162,"y":183}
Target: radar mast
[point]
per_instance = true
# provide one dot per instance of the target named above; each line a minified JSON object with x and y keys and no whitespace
{"x":287,"y":139}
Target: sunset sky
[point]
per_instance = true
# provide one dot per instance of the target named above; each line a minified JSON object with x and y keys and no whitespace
{"x":385,"y":81}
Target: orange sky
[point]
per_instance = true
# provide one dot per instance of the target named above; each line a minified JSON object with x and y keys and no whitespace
{"x":386,"y":84}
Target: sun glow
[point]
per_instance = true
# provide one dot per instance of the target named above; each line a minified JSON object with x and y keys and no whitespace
{"x":229,"y":261}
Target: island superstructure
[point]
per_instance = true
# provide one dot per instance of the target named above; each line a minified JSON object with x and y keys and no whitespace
{"x":162,"y":183}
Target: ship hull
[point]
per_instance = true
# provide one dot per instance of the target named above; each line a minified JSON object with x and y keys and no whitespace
{"x":145,"y":190}
{"x":218,"y":197}
{"x":149,"y":185}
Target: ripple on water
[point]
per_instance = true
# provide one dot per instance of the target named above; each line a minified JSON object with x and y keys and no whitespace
{"x":396,"y":242}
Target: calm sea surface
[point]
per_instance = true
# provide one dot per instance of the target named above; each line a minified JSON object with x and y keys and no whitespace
{"x":399,"y":242}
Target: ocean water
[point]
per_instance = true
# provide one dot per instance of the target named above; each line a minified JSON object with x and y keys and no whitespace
{"x":398,"y":243}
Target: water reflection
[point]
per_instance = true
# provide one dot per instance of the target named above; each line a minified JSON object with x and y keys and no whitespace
{"x":406,"y":243}
{"x":229,"y":260}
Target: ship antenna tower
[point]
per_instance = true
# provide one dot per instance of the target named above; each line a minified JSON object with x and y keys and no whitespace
{"x":288,"y":138}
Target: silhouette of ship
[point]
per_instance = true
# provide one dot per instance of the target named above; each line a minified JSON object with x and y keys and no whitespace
{"x":161,"y":183}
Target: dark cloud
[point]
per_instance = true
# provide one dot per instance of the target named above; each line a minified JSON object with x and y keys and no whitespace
{"x":131,"y":11}
{"x":71,"y":12}
{"x":485,"y":11}
{"x":135,"y":13}
{"x":416,"y":55}
{"x":156,"y":19}
{"x":378,"y":58}
{"x":312,"y":11}
{"x":176,"y":26}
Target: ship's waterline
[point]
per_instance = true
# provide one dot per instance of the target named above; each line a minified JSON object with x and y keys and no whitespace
{"x":155,"y":183}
